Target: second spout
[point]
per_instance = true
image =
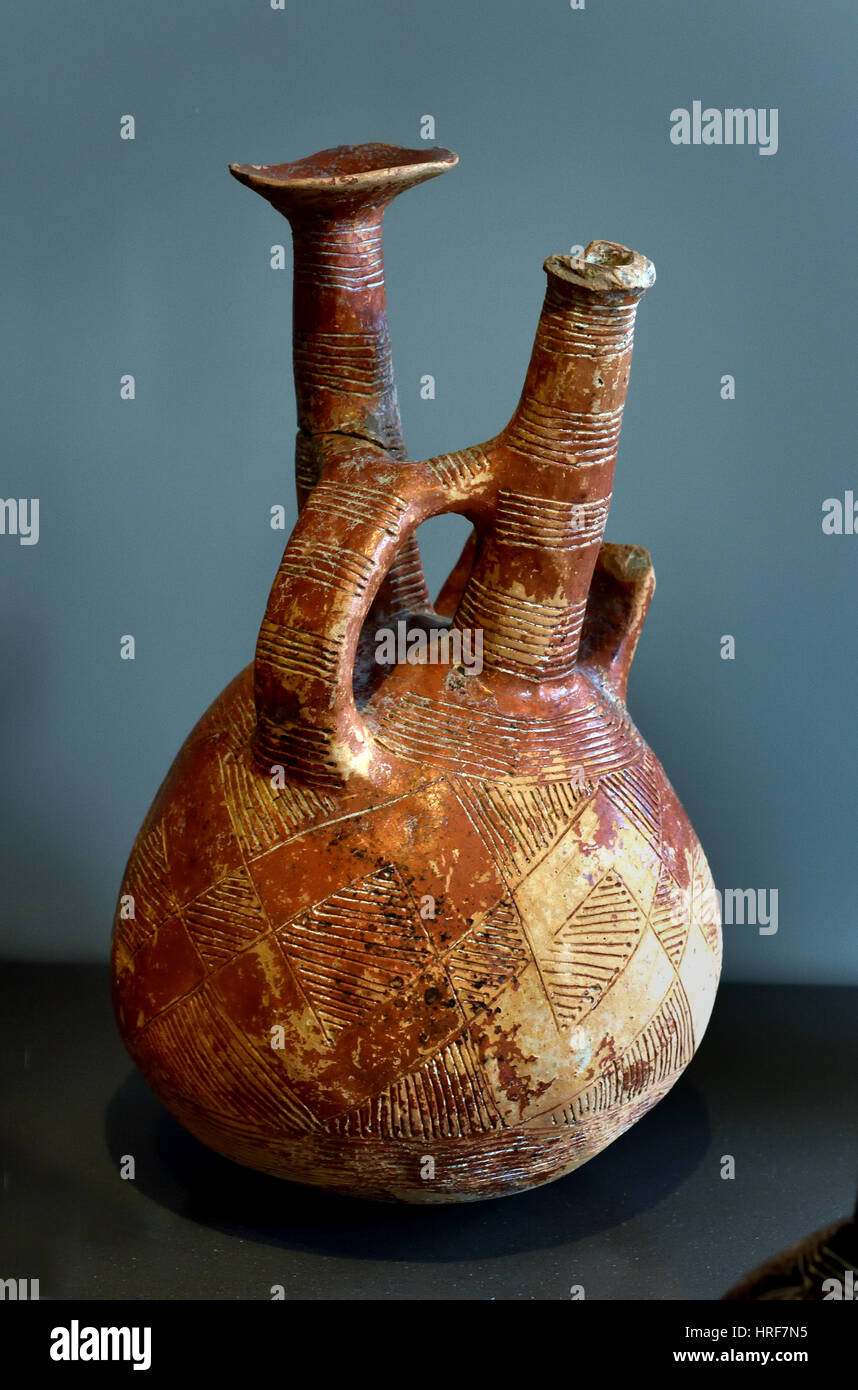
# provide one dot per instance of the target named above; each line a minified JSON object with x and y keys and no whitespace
{"x":344,"y":381}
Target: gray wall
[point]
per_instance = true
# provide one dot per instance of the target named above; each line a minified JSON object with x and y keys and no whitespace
{"x":146,"y":257}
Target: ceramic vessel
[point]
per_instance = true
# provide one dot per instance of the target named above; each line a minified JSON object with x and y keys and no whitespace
{"x":819,"y":1269}
{"x":438,"y":931}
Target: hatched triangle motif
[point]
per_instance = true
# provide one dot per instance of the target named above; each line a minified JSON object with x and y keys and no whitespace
{"x":655,"y":1058}
{"x":353,"y":950}
{"x":447,"y":1098}
{"x":591,"y":948}
{"x":635,"y":793}
{"x":705,"y":908}
{"x":670,"y":915}
{"x":262,"y":816}
{"x":148,"y":883}
{"x":520,"y":823}
{"x":225,"y":919}
{"x":237,"y":1075}
{"x":488,"y":958}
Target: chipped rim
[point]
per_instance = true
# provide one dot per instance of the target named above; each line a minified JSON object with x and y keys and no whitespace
{"x":605,"y":265}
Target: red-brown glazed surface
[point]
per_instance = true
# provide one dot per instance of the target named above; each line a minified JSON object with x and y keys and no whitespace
{"x":426,"y":932}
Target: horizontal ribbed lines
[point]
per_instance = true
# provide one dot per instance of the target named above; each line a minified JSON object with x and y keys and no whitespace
{"x":359,"y":504}
{"x":481,"y":745}
{"x":564,"y":436}
{"x":307,"y":462}
{"x":524,"y":638}
{"x":356,"y":362}
{"x":332,"y":566}
{"x":406,"y":579}
{"x":330,"y":259}
{"x":293,"y":651}
{"x":538,"y":523}
{"x":453,"y":470}
{"x":582,"y":329}
{"x":303,"y":752}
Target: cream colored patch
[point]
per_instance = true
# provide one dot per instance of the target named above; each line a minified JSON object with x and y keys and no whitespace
{"x":552,"y":1074}
{"x":698,"y":972}
{"x":560,"y":882}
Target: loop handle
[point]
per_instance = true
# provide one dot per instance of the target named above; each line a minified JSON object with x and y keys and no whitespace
{"x":358,"y":516}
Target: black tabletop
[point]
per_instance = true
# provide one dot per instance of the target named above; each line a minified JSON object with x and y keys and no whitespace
{"x":773,"y":1085}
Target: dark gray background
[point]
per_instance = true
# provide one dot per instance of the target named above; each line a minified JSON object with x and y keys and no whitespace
{"x":146,"y":257}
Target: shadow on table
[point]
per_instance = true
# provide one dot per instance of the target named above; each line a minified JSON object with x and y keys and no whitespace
{"x":173,"y":1169}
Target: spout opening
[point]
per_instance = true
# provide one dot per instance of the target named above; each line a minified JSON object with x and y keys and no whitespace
{"x":608,"y":253}
{"x":605,"y":267}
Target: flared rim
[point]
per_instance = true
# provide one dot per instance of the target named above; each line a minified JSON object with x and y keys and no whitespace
{"x":352,"y":172}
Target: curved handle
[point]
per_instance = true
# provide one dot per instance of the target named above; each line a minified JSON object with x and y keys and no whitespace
{"x":353,"y":523}
{"x":533,"y":562}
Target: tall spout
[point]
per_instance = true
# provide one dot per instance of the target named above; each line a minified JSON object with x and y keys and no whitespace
{"x":344,"y":382}
{"x":554,"y":466}
{"x":579,"y":368}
